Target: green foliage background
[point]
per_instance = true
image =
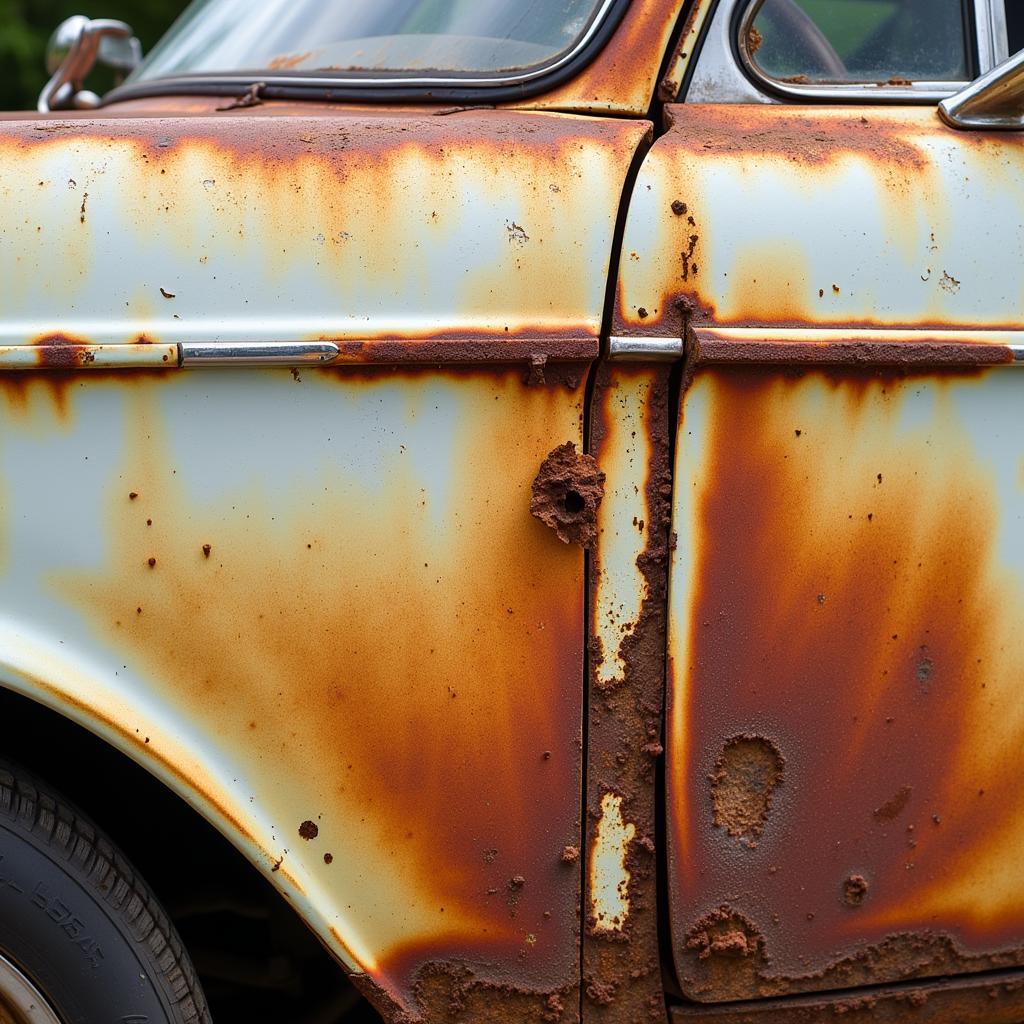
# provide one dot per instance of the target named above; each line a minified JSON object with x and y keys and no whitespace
{"x":25,"y":26}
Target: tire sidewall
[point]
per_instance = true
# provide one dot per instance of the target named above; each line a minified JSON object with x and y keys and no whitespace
{"x":58,"y":930}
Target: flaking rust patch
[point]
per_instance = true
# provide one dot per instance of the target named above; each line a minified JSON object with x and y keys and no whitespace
{"x":567,"y":493}
{"x":609,"y":876}
{"x":724,"y":933}
{"x":745,"y":777}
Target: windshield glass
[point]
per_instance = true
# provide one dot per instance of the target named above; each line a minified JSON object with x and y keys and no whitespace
{"x":332,"y":37}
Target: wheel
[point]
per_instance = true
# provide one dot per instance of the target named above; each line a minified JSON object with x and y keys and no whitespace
{"x":82,"y":940}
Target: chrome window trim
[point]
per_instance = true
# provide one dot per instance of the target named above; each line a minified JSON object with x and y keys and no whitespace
{"x":990,"y":33}
{"x":391,"y":80}
{"x":725,"y":72}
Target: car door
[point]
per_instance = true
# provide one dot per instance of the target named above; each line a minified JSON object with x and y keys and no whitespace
{"x":845,"y":724}
{"x":274,"y":394}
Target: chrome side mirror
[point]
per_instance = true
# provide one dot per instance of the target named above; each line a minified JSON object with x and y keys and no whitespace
{"x":74,"y":50}
{"x":994,"y":102}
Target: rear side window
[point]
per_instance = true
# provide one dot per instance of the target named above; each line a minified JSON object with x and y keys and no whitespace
{"x":886,"y":42}
{"x":1015,"y":24}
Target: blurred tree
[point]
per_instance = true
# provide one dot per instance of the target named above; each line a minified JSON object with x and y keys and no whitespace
{"x":26,"y":25}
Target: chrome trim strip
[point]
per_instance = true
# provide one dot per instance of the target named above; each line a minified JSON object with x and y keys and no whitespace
{"x":256,"y":353}
{"x":990,"y":30}
{"x":622,"y":349}
{"x":392,"y":80}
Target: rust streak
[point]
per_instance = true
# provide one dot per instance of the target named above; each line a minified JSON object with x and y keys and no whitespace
{"x":848,"y":600}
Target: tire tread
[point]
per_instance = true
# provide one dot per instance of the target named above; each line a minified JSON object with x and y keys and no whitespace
{"x":95,"y":861}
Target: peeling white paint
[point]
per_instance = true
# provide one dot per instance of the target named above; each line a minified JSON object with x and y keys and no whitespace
{"x":609,"y":878}
{"x":622,"y":521}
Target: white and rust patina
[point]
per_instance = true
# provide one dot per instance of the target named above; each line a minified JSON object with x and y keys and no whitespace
{"x":570,"y":545}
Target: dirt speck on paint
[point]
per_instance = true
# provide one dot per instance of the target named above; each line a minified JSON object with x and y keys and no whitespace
{"x":894,"y":806}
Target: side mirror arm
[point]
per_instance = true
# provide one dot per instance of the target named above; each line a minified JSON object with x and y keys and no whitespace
{"x":73,"y":51}
{"x":994,"y":102}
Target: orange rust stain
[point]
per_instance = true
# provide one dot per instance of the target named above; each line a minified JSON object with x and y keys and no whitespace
{"x":754,"y":285}
{"x":836,"y":133}
{"x":289,"y":61}
{"x":850,"y":607}
{"x":47,"y":396}
{"x":355,"y":197}
{"x":407,"y":654}
{"x":148,"y":754}
{"x":624,"y":75}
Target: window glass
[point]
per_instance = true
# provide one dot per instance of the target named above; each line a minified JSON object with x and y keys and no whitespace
{"x":887,"y":41}
{"x":336,"y":36}
{"x":1015,"y":24}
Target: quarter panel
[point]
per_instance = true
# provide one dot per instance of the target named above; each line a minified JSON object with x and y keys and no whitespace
{"x":317,"y":605}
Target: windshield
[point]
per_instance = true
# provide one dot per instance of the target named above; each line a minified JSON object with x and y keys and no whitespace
{"x":332,"y":37}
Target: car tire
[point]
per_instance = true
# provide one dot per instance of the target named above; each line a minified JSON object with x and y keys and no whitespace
{"x":77,"y":924}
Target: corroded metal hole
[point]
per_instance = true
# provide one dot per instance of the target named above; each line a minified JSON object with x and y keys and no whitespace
{"x":567,"y":493}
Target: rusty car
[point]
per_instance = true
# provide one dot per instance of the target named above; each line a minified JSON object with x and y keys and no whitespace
{"x":512,"y":512}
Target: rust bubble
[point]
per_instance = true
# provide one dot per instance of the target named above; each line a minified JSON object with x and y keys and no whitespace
{"x":724,"y":933}
{"x":308,"y":830}
{"x":745,"y":777}
{"x":855,"y":889}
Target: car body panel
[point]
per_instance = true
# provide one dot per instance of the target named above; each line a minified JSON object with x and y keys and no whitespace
{"x":844,"y":731}
{"x":360,"y":225}
{"x":313,"y":600}
{"x":866,"y":217}
{"x":845,"y":724}
{"x":623,"y":77}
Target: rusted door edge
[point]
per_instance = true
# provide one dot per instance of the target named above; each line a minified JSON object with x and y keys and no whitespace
{"x":839,"y":347}
{"x":993,"y":998}
{"x":57,"y":353}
